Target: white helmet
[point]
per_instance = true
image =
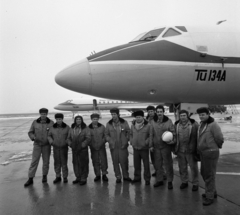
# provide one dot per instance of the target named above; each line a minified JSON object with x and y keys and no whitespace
{"x":167,"y":136}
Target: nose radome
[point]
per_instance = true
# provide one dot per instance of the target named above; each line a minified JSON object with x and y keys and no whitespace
{"x":76,"y":77}
{"x":57,"y":107}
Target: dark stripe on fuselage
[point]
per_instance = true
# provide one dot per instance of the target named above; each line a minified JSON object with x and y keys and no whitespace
{"x":116,"y":48}
{"x":162,"y":51}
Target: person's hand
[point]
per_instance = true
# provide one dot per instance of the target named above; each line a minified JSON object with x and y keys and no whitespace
{"x":152,"y":149}
{"x":170,"y":142}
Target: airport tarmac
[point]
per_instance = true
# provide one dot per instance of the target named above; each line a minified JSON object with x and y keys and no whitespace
{"x":110,"y":198}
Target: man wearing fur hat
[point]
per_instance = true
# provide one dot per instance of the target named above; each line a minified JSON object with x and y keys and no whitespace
{"x":57,"y":137}
{"x":117,"y":135}
{"x":98,"y":148}
{"x":79,"y":138}
{"x":141,"y":141}
{"x":163,"y":150}
{"x":38,"y":133}
{"x":186,"y":148}
{"x":210,"y":139}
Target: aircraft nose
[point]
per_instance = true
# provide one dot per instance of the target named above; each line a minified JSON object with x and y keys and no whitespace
{"x":76,"y":77}
{"x":56,"y":107}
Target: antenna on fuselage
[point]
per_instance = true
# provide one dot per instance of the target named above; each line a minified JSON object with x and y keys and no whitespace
{"x":219,"y":22}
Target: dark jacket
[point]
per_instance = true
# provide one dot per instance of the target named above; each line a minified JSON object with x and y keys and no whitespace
{"x":98,"y":139}
{"x":57,"y":136}
{"x":111,"y":134}
{"x":211,"y":137}
{"x":142,"y":138}
{"x":79,"y":141}
{"x":192,"y":144}
{"x":39,"y":131}
{"x":158,"y":131}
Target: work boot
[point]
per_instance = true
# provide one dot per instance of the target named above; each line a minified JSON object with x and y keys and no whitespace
{"x":183,"y":186}
{"x":104,"y":178}
{"x":65,"y":180}
{"x":127,"y":179}
{"x":76,"y":181}
{"x":154,"y":174}
{"x":29,"y":182}
{"x":147,"y":183}
{"x":97,"y":178}
{"x":136,"y":180}
{"x":195,"y":188}
{"x":204,"y":195}
{"x":207,"y":201}
{"x":170,"y":186}
{"x":82,"y":182}
{"x":159,"y":183}
{"x":57,"y":179}
{"x":44,"y":179}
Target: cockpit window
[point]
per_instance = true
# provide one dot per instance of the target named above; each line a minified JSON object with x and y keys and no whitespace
{"x":138,"y":37}
{"x":150,"y":36}
{"x":182,"y":28}
{"x":69,"y":101}
{"x":171,"y":32}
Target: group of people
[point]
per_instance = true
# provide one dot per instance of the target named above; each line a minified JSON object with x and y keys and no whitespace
{"x":190,"y":143}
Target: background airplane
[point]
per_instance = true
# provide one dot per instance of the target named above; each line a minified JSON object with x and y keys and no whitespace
{"x":182,"y":66}
{"x":100,"y":104}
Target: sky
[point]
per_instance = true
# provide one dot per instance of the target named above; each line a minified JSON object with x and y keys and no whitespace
{"x":39,"y":38}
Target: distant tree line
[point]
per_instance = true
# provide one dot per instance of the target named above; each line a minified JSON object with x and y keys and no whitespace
{"x":217,"y":108}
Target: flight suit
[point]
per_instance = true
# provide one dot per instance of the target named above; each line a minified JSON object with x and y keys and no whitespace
{"x":78,"y":139}
{"x":117,"y":136}
{"x":98,"y":149}
{"x":39,"y":133}
{"x":162,"y":150}
{"x":57,"y":137}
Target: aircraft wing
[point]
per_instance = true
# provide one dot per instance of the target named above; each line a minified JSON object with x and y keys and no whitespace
{"x":135,"y":107}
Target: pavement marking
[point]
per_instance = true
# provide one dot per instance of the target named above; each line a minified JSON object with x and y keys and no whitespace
{"x":228,"y":173}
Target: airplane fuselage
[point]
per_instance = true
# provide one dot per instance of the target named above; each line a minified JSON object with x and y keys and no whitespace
{"x":181,"y":64}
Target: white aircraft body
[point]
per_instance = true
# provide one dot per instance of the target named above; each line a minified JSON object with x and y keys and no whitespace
{"x":175,"y":65}
{"x":99,"y":104}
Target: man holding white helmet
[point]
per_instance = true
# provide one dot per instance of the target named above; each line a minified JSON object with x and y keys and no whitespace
{"x":162,"y":149}
{"x":186,"y":148}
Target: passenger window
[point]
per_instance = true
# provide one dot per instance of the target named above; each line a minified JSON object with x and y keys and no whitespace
{"x":171,"y":32}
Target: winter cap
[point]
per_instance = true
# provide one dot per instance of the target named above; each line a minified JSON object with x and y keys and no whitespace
{"x":138,"y":113}
{"x":59,"y":115}
{"x":43,"y":110}
{"x":203,"y":110}
{"x":94,"y":115}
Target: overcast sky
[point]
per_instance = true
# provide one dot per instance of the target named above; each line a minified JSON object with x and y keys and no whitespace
{"x":39,"y":38}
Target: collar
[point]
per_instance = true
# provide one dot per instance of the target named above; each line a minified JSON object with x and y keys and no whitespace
{"x":47,"y":120}
{"x":63,"y":125}
{"x":82,"y":126}
{"x":145,"y":122}
{"x":121,"y":120}
{"x":189,"y":121}
{"x":210,"y":120}
{"x":98,"y":125}
{"x":165,"y":119}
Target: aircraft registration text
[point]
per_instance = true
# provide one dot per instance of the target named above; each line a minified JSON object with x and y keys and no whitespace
{"x":210,"y":75}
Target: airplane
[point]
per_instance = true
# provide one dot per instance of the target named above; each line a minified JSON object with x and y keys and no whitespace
{"x":186,"y":67}
{"x":100,"y":104}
